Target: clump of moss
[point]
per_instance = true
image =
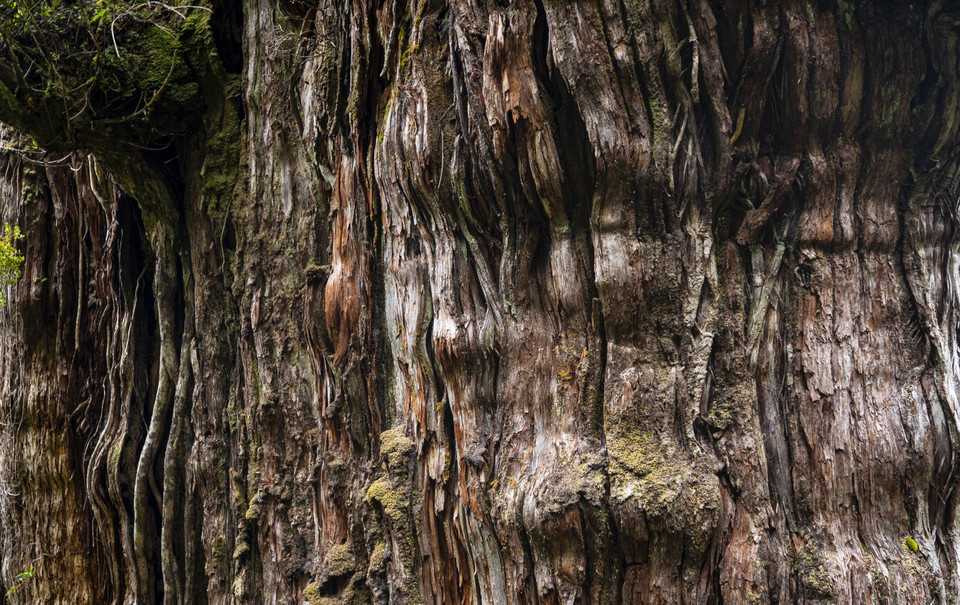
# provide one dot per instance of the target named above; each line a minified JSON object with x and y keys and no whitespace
{"x":355,"y":593}
{"x":241,"y":550}
{"x":339,"y":561}
{"x":392,"y":497}
{"x":132,"y":69}
{"x":312,"y":594}
{"x":219,"y":548}
{"x":337,"y":473}
{"x":911,"y":544}
{"x":316,"y":274}
{"x":218,"y":555}
{"x":253,"y":511}
{"x":395,"y":448}
{"x":393,"y":502}
{"x":378,"y":555}
{"x":239,"y":589}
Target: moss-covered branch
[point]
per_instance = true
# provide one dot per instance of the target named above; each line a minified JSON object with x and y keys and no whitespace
{"x":97,"y":74}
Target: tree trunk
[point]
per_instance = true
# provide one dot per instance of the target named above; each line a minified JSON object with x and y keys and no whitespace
{"x":506,"y":302}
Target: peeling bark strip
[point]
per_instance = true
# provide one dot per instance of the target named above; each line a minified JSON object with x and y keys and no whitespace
{"x":514,"y":302}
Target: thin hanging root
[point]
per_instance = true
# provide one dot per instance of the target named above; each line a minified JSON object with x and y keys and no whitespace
{"x":165,"y":291}
{"x":173,"y":484}
{"x":115,"y":445}
{"x":736,"y":133}
{"x":173,"y":481}
{"x":695,"y":53}
{"x":96,"y":468}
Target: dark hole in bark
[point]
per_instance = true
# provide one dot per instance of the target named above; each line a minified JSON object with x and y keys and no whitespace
{"x":166,"y":159}
{"x":448,"y":429}
{"x":442,"y":25}
{"x":229,"y":240}
{"x":804,"y":272}
{"x":226,"y":24}
{"x":927,"y":84}
{"x":369,"y":111}
{"x":413,"y":246}
{"x":335,"y":585}
{"x":541,"y":43}
{"x":701,"y":430}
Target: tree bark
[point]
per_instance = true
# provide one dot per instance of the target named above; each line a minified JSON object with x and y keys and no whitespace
{"x":513,"y":302}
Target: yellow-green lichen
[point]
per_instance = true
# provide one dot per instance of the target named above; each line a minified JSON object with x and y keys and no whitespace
{"x":816,"y":580}
{"x":239,"y":590}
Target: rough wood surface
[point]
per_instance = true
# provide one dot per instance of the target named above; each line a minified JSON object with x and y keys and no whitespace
{"x":529,"y":301}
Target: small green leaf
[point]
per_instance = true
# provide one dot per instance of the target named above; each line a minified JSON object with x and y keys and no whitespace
{"x":10,"y":258}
